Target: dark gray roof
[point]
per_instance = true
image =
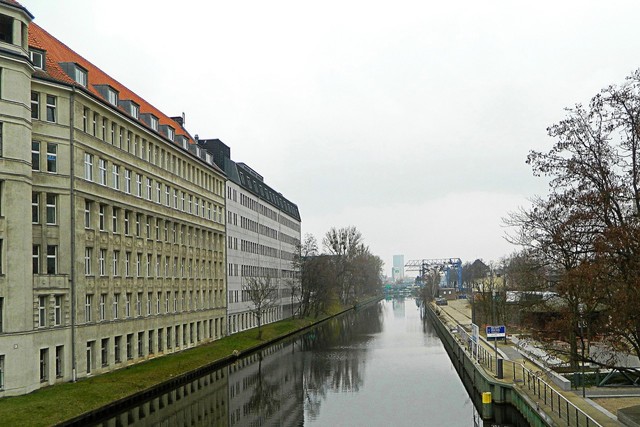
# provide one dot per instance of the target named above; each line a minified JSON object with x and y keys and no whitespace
{"x":247,"y":178}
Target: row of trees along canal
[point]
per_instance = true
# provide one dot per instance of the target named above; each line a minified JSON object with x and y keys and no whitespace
{"x":576,"y":276}
{"x":345,"y":271}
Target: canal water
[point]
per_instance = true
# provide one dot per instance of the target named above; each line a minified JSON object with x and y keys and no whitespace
{"x":379,"y":366}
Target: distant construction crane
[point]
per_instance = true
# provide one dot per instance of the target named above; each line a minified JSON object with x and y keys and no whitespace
{"x":438,"y":264}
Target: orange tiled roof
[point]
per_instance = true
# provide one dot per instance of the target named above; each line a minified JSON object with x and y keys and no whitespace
{"x":57,"y":52}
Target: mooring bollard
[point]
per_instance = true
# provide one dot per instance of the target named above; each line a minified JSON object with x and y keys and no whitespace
{"x":487,"y":406}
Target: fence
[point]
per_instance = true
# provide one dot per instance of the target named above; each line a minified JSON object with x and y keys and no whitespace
{"x":531,"y":382}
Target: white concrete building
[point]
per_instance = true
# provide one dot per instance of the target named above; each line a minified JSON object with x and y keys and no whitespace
{"x":263,"y":230}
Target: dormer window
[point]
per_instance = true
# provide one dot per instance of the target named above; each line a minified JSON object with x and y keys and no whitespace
{"x":168,"y":131}
{"x":150,"y":120}
{"x":76,"y":72}
{"x":37,"y":57}
{"x":130,"y":107}
{"x":112,"y":96}
{"x":108,"y":93}
{"x":80,"y":76}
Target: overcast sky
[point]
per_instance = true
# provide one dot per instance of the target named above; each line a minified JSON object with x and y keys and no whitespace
{"x":410,"y":120}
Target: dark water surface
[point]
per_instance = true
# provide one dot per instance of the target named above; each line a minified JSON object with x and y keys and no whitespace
{"x":380,"y":366}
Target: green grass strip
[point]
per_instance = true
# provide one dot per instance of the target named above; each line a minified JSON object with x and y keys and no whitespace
{"x":55,"y":404}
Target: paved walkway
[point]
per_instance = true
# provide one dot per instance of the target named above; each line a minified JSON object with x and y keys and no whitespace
{"x":525,"y":370}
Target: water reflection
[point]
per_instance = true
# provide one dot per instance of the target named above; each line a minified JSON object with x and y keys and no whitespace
{"x":379,"y":366}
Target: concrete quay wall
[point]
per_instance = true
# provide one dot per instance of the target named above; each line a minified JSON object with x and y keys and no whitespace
{"x":477,"y":381}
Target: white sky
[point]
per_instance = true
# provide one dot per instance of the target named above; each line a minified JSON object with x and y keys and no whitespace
{"x":409,"y":119}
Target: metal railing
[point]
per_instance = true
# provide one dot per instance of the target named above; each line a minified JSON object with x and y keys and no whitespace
{"x":531,"y":382}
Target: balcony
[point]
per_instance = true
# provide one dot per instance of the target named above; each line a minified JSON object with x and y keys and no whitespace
{"x":51,"y":281}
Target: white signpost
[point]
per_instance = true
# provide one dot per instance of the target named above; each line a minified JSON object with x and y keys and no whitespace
{"x":475,"y":336}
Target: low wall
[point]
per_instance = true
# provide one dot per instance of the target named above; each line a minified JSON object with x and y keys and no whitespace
{"x":472,"y":374}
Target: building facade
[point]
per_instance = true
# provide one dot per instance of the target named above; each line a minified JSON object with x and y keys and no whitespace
{"x":112,"y":219}
{"x":263,"y":231}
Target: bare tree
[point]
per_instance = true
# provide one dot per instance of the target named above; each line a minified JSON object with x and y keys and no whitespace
{"x":263,"y":294}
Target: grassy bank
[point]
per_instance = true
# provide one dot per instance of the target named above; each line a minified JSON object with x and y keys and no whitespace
{"x":61,"y":402}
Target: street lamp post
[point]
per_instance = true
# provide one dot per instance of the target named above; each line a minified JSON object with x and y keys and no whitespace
{"x":581,"y":326}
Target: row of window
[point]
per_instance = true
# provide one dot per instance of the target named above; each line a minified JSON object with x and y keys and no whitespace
{"x":142,"y":265}
{"x":147,"y":188}
{"x":240,"y":322}
{"x":142,"y":343}
{"x":128,"y":305}
{"x":156,"y":154}
{"x":263,"y":210}
{"x":234,"y":270}
{"x":110,"y":218}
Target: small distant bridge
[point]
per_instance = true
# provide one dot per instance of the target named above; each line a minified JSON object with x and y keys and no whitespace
{"x":437,"y":264}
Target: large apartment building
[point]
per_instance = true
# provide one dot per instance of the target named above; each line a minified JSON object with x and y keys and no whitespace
{"x":263,"y":231}
{"x":112,"y":219}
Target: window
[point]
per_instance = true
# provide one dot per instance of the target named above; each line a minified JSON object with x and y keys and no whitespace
{"x":95,"y":124}
{"x":102,"y":262}
{"x":158,"y":192}
{"x":51,"y":108}
{"x":104,"y":129}
{"x":116,"y":177}
{"x":42,"y":311}
{"x":51,"y":208}
{"x":44,"y":364}
{"x":116,"y":303}
{"x":153,"y":122}
{"x":167,"y":195}
{"x":37,"y":57}
{"x":87,"y":213}
{"x":113,"y":133}
{"x":52,"y":259}
{"x":139,"y":304}
{"x":104,"y":351}
{"x":129,"y":346}
{"x":88,"y":166}
{"x":59,"y":361}
{"x":149,"y":298}
{"x":127,"y":305}
{"x":138,"y":265}
{"x":35,"y":208}
{"x":114,"y":219}
{"x":127,"y":222}
{"x":35,"y":105}
{"x":138,"y":229}
{"x":88,"y":308}
{"x":138,"y":185}
{"x":158,"y":299}
{"x":127,"y":181}
{"x":101,"y":217}
{"x":116,"y":261}
{"x":148,"y":265}
{"x":149,"y":185}
{"x":127,"y":264}
{"x":35,"y":155}
{"x":112,"y":96}
{"x":140,"y":344}
{"x":117,"y":343}
{"x":135,"y":111}
{"x":52,"y":157}
{"x":57,"y":310}
{"x":0,"y":139}
{"x":80,"y":76}
{"x":88,"y":255}
{"x":85,"y":118}
{"x":102,"y":170}
{"x":103,"y":302}
{"x":35,"y":257}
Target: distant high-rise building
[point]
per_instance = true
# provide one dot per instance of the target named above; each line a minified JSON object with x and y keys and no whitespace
{"x":397,"y":273}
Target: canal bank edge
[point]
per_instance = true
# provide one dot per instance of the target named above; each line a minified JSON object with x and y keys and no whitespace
{"x":501,"y":393}
{"x":99,"y":413}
